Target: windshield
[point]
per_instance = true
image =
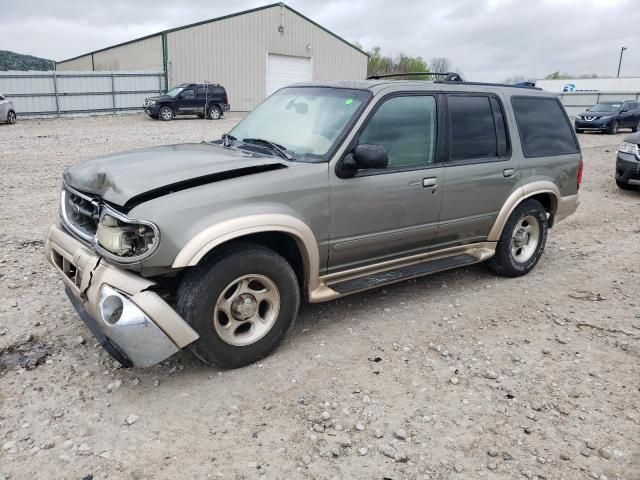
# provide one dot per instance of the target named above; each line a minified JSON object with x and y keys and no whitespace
{"x":606,"y":107}
{"x":174,"y":92}
{"x":307,"y":121}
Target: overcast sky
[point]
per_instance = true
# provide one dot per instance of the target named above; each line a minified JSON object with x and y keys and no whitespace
{"x":487,"y":40}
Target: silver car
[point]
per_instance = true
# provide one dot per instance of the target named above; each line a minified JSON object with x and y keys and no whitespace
{"x":7,"y":111}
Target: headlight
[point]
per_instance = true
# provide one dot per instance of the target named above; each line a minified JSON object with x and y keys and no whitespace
{"x":152,"y":102}
{"x":626,"y":147}
{"x":129,"y":240}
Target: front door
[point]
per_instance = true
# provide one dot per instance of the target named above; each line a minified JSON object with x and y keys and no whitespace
{"x":481,"y":171}
{"x":392,"y":212}
{"x":187,"y":102}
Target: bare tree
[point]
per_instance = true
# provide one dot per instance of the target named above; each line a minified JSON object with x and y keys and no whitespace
{"x":440,"y":65}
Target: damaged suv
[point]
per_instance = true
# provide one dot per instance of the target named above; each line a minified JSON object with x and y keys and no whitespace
{"x":324,"y":190}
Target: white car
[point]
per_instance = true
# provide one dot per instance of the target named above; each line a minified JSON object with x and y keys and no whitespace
{"x":7,"y":111}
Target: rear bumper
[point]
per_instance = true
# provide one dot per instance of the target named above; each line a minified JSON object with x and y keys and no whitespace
{"x":226,"y":107}
{"x":133,"y":323}
{"x":628,"y":169}
{"x":566,"y":206}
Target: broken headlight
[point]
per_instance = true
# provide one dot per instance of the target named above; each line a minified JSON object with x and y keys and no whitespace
{"x":123,"y":239}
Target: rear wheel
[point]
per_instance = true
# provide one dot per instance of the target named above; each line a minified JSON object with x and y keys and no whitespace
{"x":215,"y":113}
{"x":522,"y":241}
{"x":242,"y":301}
{"x":636,"y":128}
{"x":11,"y":117}
{"x":615,"y":126}
{"x":165,"y":113}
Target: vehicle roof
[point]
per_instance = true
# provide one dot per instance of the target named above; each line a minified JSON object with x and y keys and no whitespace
{"x":377,"y":85}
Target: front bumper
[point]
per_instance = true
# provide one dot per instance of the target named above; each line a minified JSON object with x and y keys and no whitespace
{"x":594,"y":125}
{"x":152,"y":110}
{"x":628,"y":168}
{"x":146,"y":329}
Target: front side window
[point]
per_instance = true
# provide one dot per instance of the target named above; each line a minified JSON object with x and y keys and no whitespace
{"x":187,"y":94}
{"x":473,"y":128}
{"x":407,"y":128}
{"x":307,"y":121}
{"x":544,"y":127}
{"x":174,"y":92}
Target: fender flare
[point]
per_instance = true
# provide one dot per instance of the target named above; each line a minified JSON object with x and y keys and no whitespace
{"x":519,"y":195}
{"x":217,"y":234}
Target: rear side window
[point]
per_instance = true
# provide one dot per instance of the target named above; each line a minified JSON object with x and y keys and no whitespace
{"x":544,"y":127}
{"x":477,"y":126}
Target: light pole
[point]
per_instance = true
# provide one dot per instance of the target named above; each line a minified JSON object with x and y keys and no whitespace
{"x":622,"y":49}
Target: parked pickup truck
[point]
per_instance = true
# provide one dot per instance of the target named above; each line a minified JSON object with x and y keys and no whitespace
{"x":324,"y":190}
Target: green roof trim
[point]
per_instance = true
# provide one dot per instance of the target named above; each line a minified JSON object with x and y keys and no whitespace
{"x":217,"y":19}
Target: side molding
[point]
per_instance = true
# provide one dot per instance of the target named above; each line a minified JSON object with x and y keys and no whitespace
{"x":220,"y":233}
{"x":526,"y":191}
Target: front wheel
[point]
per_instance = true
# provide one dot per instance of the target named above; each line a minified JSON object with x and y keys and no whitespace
{"x":242,"y":301}
{"x":522,"y":240}
{"x":615,"y":126}
{"x":11,"y":117}
{"x":165,"y":113}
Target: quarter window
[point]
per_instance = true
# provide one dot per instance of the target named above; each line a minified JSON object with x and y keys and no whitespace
{"x":544,"y":127}
{"x":407,"y":128}
{"x":473,"y":128}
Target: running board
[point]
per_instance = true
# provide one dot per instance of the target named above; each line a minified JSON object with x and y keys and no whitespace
{"x":403,"y":273}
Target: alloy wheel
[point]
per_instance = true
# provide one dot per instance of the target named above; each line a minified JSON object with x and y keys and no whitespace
{"x":246,"y":310}
{"x":525,"y":238}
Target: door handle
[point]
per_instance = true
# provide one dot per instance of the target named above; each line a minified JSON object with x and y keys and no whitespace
{"x":429,"y":182}
{"x":508,"y":172}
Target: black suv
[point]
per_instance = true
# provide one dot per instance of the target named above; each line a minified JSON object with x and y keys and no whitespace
{"x":201,"y":99}
{"x":609,"y":117}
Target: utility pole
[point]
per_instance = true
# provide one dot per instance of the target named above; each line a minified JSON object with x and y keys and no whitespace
{"x":622,"y":49}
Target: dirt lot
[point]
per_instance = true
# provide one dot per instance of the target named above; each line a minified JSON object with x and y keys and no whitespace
{"x":461,"y":375}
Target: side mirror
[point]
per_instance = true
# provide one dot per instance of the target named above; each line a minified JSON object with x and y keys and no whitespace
{"x":370,"y":156}
{"x":365,"y":156}
{"x":625,"y":109}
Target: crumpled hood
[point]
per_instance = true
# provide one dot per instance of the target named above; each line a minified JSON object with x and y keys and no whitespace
{"x":129,"y":178}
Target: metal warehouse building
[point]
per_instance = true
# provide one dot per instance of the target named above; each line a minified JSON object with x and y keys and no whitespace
{"x":251,"y":53}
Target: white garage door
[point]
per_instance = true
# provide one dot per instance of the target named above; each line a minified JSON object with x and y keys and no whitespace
{"x":283,"y":70}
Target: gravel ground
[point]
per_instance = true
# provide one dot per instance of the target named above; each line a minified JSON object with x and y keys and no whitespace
{"x":461,"y":375}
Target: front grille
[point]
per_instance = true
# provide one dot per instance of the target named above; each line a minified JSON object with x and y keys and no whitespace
{"x":80,"y":214}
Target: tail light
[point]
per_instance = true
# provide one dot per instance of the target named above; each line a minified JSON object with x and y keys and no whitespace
{"x":225,"y":98}
{"x":580,"y":168}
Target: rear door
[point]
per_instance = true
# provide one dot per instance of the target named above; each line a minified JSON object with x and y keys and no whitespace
{"x":480,"y":172}
{"x":4,"y":109}
{"x":392,"y":212}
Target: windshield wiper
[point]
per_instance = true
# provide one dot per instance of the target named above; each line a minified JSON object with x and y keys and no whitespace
{"x":227,"y":140}
{"x":273,"y":146}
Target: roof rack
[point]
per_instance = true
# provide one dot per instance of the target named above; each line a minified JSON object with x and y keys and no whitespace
{"x":449,"y":76}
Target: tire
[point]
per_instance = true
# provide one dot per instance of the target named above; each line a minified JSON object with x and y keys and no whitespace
{"x":215,"y":113}
{"x":636,"y":127}
{"x":527,"y":223}
{"x":166,"y":113}
{"x":11,"y":117}
{"x":615,"y":126}
{"x":623,"y":185}
{"x":215,"y":286}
